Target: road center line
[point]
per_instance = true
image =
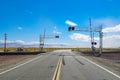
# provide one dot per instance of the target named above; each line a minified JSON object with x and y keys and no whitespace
{"x":59,"y":70}
{"x":19,"y":65}
{"x":56,"y":74}
{"x":101,"y":67}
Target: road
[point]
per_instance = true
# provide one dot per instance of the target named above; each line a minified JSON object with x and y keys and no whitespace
{"x":58,"y":65}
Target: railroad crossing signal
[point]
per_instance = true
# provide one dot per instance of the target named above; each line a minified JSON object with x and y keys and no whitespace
{"x":42,"y":37}
{"x":94,"y":43}
{"x":71,"y":28}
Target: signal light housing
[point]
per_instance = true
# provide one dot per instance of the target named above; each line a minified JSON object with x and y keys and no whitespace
{"x":56,"y":36}
{"x":71,"y":28}
{"x":94,"y":43}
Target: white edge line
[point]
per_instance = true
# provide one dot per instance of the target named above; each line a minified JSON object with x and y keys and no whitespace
{"x":19,"y":65}
{"x":101,"y":67}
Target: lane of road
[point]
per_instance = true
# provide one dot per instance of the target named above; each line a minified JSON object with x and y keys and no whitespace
{"x":78,"y":68}
{"x":59,"y":65}
{"x":39,"y":69}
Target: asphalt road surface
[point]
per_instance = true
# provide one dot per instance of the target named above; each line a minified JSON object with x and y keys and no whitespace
{"x":58,"y":65}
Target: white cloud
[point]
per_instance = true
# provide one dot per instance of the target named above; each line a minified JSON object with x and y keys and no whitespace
{"x":70,"y":23}
{"x":1,"y":41}
{"x":112,"y":29}
{"x":77,"y":37}
{"x":8,"y":41}
{"x":55,"y":31}
{"x":57,"y":45}
{"x":112,"y":41}
{"x":27,"y":43}
{"x":32,"y":43}
{"x":111,"y":32}
{"x":20,"y":41}
{"x":19,"y":28}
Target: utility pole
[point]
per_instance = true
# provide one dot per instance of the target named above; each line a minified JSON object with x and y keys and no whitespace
{"x":42,"y":38}
{"x":5,"y":39}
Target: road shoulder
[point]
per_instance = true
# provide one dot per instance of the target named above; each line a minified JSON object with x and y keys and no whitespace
{"x":106,"y":63}
{"x":14,"y":60}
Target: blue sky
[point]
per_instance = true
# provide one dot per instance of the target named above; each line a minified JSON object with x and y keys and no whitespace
{"x":25,"y":20}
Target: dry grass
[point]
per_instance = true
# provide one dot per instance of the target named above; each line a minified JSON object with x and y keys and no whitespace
{"x":32,"y":49}
{"x":117,"y":50}
{"x":52,"y":49}
{"x":24,"y":49}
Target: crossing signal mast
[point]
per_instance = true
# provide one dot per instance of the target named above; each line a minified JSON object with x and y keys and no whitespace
{"x":43,"y":37}
{"x":90,"y":29}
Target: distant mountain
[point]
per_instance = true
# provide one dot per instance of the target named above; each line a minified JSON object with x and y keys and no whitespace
{"x":11,"y":45}
{"x":32,"y":45}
